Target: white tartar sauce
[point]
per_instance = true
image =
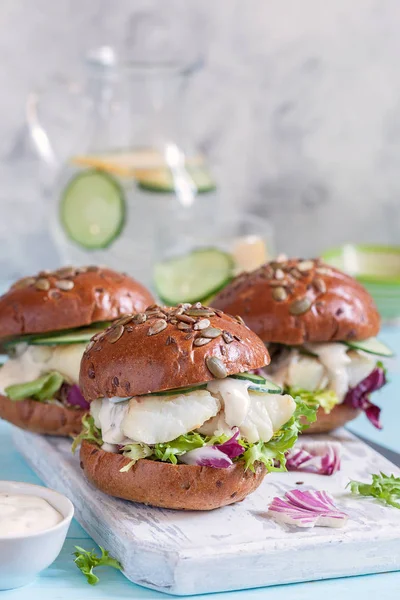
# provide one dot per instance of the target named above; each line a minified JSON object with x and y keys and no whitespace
{"x":21,"y":514}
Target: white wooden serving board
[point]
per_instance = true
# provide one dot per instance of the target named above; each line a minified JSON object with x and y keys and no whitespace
{"x":235,"y":547}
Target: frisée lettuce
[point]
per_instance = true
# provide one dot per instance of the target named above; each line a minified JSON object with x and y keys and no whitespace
{"x":89,"y":432}
{"x":385,"y":488}
{"x":87,"y":560}
{"x":326,"y":399}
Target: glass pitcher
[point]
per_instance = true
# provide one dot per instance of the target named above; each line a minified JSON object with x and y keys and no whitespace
{"x":131,"y":169}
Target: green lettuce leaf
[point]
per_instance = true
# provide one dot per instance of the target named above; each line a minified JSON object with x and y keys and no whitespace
{"x":41,"y":389}
{"x":304,"y":415}
{"x":184,"y":443}
{"x":272,"y":453}
{"x":326,"y":399}
{"x":89,"y":432}
{"x":385,"y":488}
{"x":264,"y":453}
{"x":380,"y":365}
{"x":135,"y":452}
{"x":87,"y":560}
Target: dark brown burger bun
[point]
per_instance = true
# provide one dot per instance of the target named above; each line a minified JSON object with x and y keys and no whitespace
{"x":183,"y":487}
{"x":40,"y":417}
{"x":67,"y":298}
{"x":132,"y":358}
{"x":339,"y":416}
{"x":298,"y":301}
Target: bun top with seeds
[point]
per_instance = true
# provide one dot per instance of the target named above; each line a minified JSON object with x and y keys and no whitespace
{"x":296,"y":301}
{"x":165,"y":348}
{"x":68,"y":298}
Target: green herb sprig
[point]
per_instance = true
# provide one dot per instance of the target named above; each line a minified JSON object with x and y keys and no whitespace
{"x":87,"y":560}
{"x":385,"y":488}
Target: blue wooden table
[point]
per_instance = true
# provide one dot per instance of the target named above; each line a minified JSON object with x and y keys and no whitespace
{"x":63,"y":581}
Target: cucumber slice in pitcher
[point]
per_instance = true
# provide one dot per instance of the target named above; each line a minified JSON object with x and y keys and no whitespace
{"x":92,"y":209}
{"x":161,"y":179}
{"x":194,"y":276}
{"x":372,"y":346}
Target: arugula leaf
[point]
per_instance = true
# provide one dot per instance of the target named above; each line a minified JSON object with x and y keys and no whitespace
{"x":326,"y":399}
{"x":87,"y":560}
{"x":41,"y":389}
{"x":89,"y":432}
{"x":385,"y":488}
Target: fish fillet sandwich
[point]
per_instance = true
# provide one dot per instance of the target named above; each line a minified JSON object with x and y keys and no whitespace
{"x":177,"y":419}
{"x":319,"y":325}
{"x":46,"y":322}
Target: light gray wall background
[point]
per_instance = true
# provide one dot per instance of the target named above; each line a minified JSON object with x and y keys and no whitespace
{"x":298,"y":108}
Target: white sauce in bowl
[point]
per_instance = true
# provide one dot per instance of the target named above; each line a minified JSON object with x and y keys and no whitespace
{"x":25,"y":514}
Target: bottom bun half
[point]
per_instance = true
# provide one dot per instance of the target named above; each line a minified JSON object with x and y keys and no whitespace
{"x":339,"y":416}
{"x":40,"y":417}
{"x":183,"y":487}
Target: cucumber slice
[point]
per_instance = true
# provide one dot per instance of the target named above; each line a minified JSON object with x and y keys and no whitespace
{"x":79,"y":337}
{"x":259,"y":384}
{"x":69,"y":336}
{"x":194,"y":276}
{"x":92,"y":209}
{"x":250,"y":377}
{"x":161,"y":180}
{"x":268,"y":388}
{"x":177,"y":391}
{"x":372,"y":346}
{"x":118,"y":399}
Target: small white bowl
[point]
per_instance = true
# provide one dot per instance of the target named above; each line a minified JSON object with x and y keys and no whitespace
{"x":24,"y":556}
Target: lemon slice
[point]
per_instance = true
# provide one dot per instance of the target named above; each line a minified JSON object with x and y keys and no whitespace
{"x":249,"y":253}
{"x":131,"y":163}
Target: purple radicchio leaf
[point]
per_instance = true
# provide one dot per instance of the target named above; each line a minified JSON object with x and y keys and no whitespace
{"x":75,"y":398}
{"x":358,"y":397}
{"x":307,"y":509}
{"x":314,"y":457}
{"x":207,"y":456}
{"x":231,"y":447}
